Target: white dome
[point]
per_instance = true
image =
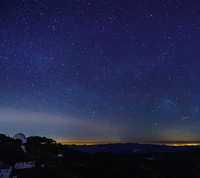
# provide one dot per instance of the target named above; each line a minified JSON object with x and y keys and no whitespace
{"x":21,"y":137}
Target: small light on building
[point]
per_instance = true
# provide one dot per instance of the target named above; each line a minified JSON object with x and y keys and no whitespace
{"x":60,"y":155}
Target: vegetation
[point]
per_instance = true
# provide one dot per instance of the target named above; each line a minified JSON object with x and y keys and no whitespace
{"x":75,"y":164}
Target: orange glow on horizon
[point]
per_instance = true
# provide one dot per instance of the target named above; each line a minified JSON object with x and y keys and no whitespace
{"x":95,"y":142}
{"x":183,"y":144}
{"x":86,"y":142}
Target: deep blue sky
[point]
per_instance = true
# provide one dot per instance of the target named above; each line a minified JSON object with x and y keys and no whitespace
{"x":125,"y":70}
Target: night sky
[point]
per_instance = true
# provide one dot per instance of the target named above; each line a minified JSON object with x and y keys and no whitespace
{"x":101,"y":70}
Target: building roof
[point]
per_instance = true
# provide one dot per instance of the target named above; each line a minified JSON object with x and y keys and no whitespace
{"x":19,"y":136}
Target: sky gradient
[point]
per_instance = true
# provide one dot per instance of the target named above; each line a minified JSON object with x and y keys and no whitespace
{"x":101,"y":71}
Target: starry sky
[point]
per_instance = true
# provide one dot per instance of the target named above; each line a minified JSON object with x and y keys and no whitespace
{"x":103,"y":70}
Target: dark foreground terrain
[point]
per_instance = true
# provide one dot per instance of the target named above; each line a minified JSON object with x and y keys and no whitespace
{"x":184,"y":163}
{"x":130,"y":148}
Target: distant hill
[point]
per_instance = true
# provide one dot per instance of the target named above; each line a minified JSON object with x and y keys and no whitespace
{"x":129,"y":148}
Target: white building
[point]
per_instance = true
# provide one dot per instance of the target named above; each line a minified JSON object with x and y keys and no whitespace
{"x":5,"y":172}
{"x":24,"y":165}
{"x":20,"y":136}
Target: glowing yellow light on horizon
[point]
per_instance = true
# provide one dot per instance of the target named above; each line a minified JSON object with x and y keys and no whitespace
{"x":86,"y":142}
{"x":183,"y":144}
{"x":95,"y":142}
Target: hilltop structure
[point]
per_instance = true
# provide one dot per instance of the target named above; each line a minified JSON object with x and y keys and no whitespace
{"x":22,"y":137}
{"x":24,"y":165}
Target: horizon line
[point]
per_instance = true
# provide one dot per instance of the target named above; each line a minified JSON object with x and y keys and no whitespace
{"x":100,"y":142}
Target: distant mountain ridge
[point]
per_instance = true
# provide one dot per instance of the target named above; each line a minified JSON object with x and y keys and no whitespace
{"x":129,"y":148}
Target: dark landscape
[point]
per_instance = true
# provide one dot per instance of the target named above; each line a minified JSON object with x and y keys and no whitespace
{"x":116,"y":161}
{"x":130,"y":148}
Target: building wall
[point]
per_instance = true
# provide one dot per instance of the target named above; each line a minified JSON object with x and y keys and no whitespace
{"x":23,"y":148}
{"x":24,"y":165}
{"x":5,"y":173}
{"x":24,"y":141}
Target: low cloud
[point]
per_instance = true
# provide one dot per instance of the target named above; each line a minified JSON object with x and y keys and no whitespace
{"x":55,"y":126}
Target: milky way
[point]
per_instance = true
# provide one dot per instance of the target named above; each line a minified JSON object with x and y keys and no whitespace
{"x":125,"y":70}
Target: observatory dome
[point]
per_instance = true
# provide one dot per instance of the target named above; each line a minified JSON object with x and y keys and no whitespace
{"x":21,"y":137}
